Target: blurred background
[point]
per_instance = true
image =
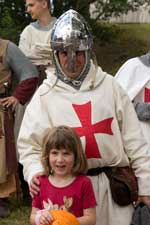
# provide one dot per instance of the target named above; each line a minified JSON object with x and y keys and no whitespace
{"x":121,"y":28}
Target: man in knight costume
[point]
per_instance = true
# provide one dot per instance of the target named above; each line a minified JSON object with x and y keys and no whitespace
{"x":12,"y":63}
{"x":80,"y":95}
{"x":134,"y":77}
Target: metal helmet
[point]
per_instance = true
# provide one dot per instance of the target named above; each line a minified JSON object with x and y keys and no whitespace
{"x":71,"y":33}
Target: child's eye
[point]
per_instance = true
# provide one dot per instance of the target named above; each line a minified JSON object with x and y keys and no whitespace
{"x":54,"y":152}
{"x":67,"y":153}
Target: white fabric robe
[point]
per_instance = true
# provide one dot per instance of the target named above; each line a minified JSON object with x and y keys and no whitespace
{"x":110,"y":142}
{"x":134,"y":77}
{"x":35,"y":43}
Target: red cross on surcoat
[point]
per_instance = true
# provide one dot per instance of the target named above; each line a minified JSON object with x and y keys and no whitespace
{"x":147,"y":95}
{"x":88,"y":129}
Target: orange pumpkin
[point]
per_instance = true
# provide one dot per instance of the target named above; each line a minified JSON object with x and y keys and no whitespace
{"x":62,"y":217}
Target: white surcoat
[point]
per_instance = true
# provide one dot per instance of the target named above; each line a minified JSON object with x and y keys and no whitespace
{"x":104,"y":118}
{"x":35,"y":42}
{"x":134,"y":77}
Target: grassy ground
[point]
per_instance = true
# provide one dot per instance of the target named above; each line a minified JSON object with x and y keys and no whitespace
{"x":19,"y":216}
{"x":123,"y":42}
{"x":19,"y":213}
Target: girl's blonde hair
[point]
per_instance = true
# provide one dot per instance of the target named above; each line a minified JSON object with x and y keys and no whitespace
{"x":64,"y":137}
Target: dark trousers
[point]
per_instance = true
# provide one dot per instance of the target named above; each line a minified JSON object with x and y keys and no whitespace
{"x":23,"y":184}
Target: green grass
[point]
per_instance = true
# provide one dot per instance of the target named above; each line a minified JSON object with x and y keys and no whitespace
{"x":123,"y":42}
{"x":19,"y":214}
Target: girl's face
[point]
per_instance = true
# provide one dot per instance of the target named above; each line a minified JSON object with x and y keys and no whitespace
{"x":62,"y":162}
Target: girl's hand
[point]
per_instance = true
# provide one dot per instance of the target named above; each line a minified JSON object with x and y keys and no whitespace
{"x":46,"y":217}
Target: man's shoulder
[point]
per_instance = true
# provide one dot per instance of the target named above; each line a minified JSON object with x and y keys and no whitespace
{"x":108,"y":78}
{"x":131,"y":66}
{"x":132,"y":62}
{"x":12,"y":51}
{"x":29,"y":28}
{"x":101,"y":76}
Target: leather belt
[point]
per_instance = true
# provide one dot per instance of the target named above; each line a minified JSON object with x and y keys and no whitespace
{"x":96,"y":171}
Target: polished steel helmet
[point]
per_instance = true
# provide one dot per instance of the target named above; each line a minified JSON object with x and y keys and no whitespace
{"x":71,"y":34}
{"x":72,"y":30}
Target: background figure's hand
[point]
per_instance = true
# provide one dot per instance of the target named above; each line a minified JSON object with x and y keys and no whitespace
{"x":46,"y":217}
{"x":144,"y":199}
{"x":9,"y":101}
{"x":40,"y":50}
{"x":34,"y":185}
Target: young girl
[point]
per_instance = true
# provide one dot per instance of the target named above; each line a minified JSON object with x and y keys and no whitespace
{"x":64,"y":186}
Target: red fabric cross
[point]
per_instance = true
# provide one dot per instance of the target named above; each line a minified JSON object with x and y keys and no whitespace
{"x":88,"y":129}
{"x":147,"y":95}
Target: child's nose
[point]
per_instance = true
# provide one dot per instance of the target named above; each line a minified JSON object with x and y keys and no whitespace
{"x":60,"y":157}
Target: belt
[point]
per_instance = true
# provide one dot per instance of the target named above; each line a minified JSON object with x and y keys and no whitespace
{"x":96,"y":171}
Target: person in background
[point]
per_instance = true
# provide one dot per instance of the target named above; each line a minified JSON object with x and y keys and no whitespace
{"x":80,"y":95}
{"x":134,"y":77}
{"x":34,"y":43}
{"x":64,"y":186}
{"x":35,"y":38}
{"x":13,"y":66}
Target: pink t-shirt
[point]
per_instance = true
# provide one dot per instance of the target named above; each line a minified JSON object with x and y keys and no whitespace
{"x":79,"y":195}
